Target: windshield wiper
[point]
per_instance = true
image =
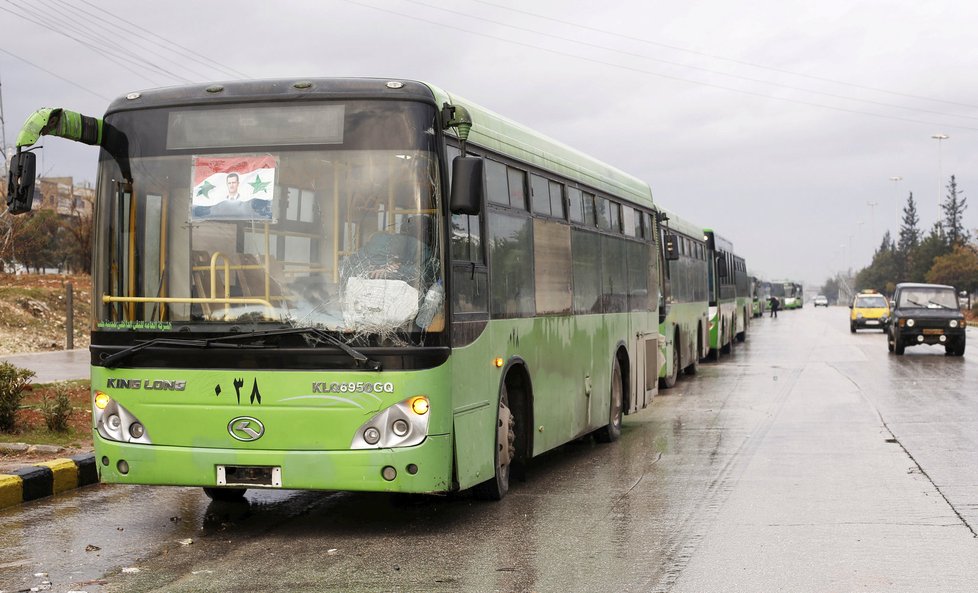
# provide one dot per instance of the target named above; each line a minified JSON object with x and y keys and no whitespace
{"x":942,"y":305}
{"x":916,"y":303}
{"x":111,"y":361}
{"x":317,"y":335}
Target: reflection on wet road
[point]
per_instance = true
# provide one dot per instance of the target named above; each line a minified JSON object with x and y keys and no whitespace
{"x":810,"y":460}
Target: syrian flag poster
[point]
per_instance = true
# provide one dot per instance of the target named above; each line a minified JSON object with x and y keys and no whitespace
{"x":233,"y":187}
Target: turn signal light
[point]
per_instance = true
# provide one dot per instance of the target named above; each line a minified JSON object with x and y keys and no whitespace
{"x":101,"y":400}
{"x":499,"y":362}
{"x":419,"y":405}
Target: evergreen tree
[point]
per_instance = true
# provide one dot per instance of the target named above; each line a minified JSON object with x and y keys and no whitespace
{"x":909,"y":238}
{"x":909,"y":229}
{"x":922,"y":257}
{"x":954,"y":206}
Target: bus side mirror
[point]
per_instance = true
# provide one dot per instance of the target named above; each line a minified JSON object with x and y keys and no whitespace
{"x":20,"y":182}
{"x":467,"y":174}
{"x":672,"y":247}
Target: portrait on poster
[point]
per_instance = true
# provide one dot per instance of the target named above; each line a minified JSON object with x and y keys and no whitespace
{"x":233,"y":187}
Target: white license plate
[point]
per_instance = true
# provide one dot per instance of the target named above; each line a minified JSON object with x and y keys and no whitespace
{"x":245,"y":475}
{"x":872,"y":322}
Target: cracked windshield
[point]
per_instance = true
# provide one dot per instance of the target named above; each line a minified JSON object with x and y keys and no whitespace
{"x":340,"y":237}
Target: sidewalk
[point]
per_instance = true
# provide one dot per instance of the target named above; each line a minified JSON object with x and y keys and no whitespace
{"x":63,"y":365}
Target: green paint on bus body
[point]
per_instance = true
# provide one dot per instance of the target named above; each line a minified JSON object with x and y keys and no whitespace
{"x":310,"y":418}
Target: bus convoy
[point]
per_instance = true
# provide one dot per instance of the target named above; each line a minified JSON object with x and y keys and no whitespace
{"x":373,"y":285}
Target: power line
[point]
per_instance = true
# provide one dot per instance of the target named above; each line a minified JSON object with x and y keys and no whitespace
{"x":58,"y":76}
{"x":722,"y":58}
{"x":456,"y":28}
{"x":116,"y":57}
{"x":81,"y":17}
{"x":690,"y":66}
{"x":184,"y":51}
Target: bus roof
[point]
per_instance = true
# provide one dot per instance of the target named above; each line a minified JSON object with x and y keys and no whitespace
{"x":489,"y":129}
{"x":495,"y":132}
{"x":681,"y":225}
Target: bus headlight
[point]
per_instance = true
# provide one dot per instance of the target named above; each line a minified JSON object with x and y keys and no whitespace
{"x":910,"y":322}
{"x":954,"y":323}
{"x":115,"y":423}
{"x":404,"y":424}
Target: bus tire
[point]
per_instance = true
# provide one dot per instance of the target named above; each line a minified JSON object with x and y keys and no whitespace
{"x":670,"y":379}
{"x":496,"y":487}
{"x":612,"y":431}
{"x":225,"y":494}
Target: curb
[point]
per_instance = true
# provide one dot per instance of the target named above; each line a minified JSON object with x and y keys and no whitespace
{"x":45,"y":479}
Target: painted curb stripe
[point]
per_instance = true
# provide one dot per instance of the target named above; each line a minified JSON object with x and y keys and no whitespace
{"x":64,"y":472}
{"x":11,"y":490}
{"x":44,"y":479}
{"x":87,"y":471}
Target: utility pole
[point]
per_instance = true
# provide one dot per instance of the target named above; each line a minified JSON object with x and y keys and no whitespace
{"x":3,"y":134}
{"x":940,"y":173}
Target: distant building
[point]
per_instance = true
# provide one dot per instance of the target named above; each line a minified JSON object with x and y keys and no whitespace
{"x":64,"y":197}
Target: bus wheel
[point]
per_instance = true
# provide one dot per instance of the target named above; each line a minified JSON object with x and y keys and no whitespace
{"x":670,"y":379}
{"x":225,"y":494}
{"x":496,"y":487}
{"x":612,"y":431}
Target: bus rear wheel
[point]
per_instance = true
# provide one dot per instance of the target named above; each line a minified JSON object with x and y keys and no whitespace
{"x":612,"y":431}
{"x":496,"y":487}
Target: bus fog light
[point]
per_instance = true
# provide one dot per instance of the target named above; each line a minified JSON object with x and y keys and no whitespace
{"x":123,"y":466}
{"x":400,"y":427}
{"x":920,"y":338}
{"x":412,"y":469}
{"x":114,"y":422}
{"x":389,"y":473}
{"x":371,"y":435}
{"x":136,"y":430}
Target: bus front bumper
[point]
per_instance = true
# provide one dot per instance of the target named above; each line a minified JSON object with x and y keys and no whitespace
{"x":423,"y":468}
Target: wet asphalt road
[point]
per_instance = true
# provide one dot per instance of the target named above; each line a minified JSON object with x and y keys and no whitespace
{"x":809,"y":460}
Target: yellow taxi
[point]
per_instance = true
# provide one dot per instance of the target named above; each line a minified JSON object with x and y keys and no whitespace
{"x":869,"y":309}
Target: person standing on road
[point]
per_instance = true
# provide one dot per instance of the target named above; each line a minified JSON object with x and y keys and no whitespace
{"x":775,"y":305}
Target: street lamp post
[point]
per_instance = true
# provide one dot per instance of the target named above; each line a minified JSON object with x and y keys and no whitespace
{"x":940,"y":174}
{"x":872,"y":226}
{"x":896,"y":205}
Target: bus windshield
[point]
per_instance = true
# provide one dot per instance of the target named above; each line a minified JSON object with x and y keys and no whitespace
{"x":321,"y":215}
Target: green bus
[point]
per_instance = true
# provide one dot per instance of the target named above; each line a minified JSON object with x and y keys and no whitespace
{"x":684,"y":310}
{"x":352,"y":284}
{"x":789,"y":293}
{"x":729,"y":292}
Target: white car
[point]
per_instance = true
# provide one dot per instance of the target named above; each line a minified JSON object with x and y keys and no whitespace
{"x":821,"y":301}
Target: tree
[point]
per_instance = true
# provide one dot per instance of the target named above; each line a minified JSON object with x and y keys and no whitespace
{"x":909,"y":237}
{"x":880,"y":274}
{"x":958,"y":269}
{"x":922,"y":258}
{"x":36,"y":243}
{"x":954,"y":206}
{"x":831,"y":289}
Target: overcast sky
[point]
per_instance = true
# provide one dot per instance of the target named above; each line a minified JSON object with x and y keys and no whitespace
{"x":775,"y":122}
